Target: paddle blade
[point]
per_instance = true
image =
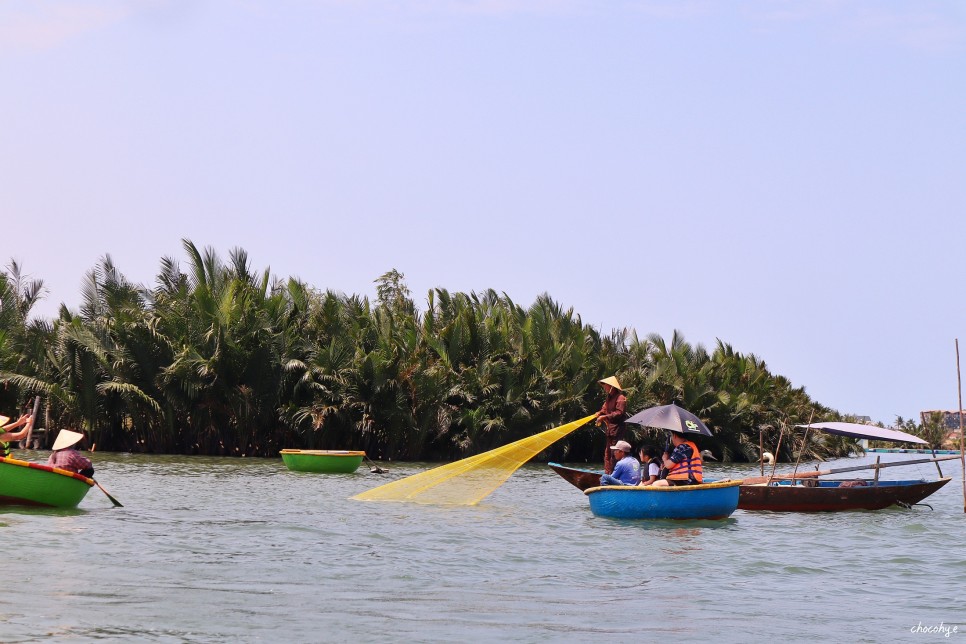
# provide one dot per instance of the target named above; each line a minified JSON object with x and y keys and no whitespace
{"x":469,"y":481}
{"x":117,"y":504}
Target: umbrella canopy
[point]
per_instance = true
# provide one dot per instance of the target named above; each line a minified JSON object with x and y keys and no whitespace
{"x":670,"y":417}
{"x":871,"y":432}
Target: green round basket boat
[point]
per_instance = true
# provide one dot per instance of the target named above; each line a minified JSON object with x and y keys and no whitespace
{"x":24,"y":483}
{"x":322,"y":460}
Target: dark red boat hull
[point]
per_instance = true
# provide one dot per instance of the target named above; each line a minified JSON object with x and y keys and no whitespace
{"x":827,"y":498}
{"x":581,"y":479}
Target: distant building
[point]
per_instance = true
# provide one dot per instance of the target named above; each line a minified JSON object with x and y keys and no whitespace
{"x":865,"y":420}
{"x":950,"y":422}
{"x":950,"y":418}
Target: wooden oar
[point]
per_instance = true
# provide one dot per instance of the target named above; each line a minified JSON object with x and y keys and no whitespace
{"x":838,"y":470}
{"x":116,"y":503}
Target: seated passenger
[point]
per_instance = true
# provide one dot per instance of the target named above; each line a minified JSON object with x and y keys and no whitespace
{"x":66,"y":457}
{"x":651,"y":464}
{"x":627,"y":471}
{"x":684,"y":464}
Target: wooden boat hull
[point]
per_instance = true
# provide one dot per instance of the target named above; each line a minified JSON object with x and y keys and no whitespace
{"x":23,"y":483}
{"x":829,"y":496}
{"x":708,"y":501}
{"x":322,"y":461}
{"x":581,"y":479}
{"x":901,"y":450}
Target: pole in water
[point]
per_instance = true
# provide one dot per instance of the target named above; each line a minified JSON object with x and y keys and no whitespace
{"x":962,"y":452}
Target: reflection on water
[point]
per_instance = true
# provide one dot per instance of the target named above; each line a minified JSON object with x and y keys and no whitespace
{"x":218,"y":550}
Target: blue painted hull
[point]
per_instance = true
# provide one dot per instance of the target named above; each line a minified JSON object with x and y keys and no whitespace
{"x":708,"y":501}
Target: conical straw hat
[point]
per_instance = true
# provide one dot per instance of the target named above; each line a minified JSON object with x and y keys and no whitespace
{"x":4,"y":419}
{"x":66,"y":438}
{"x":612,"y":381}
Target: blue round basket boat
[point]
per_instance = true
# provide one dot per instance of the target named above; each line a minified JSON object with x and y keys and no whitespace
{"x":707,"y":501}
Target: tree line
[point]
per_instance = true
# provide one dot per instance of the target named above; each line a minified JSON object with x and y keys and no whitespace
{"x":221,"y":359}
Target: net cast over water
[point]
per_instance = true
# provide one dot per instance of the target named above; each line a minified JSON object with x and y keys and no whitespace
{"x":469,"y":481}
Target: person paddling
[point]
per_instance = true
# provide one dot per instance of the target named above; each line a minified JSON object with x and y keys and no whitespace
{"x":67,"y":458}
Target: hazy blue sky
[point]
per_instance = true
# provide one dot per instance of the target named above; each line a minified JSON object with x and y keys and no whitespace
{"x":787,"y":176}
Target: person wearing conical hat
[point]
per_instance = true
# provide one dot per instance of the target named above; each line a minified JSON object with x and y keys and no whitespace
{"x":66,"y":457}
{"x":7,"y":437}
{"x":612,"y":416}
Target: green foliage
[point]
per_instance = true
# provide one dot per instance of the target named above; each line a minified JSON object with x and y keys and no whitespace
{"x":220,"y":359}
{"x":933,"y":431}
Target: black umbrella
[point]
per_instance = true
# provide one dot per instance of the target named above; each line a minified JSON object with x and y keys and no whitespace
{"x":670,"y":417}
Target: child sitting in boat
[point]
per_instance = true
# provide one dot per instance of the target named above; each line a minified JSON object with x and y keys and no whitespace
{"x":651,"y":472}
{"x":67,"y":458}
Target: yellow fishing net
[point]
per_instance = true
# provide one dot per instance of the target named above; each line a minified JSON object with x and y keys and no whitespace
{"x":469,"y":481}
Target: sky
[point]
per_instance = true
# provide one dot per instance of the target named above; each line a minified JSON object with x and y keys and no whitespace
{"x":786,"y":176}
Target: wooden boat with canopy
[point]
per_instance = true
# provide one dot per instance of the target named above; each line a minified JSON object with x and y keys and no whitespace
{"x":804,"y":492}
{"x":23,"y":483}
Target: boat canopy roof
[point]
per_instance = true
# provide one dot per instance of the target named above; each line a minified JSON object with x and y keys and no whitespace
{"x":871,"y":432}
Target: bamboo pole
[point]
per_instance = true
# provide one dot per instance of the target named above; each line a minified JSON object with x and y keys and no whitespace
{"x":840,"y":470}
{"x":778,"y":451}
{"x":962,"y":452}
{"x":31,"y":423}
{"x":761,"y":449}
{"x":811,"y":415}
{"x":802,"y":449}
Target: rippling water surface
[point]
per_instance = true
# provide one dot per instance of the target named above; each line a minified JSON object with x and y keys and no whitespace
{"x":223,"y":550}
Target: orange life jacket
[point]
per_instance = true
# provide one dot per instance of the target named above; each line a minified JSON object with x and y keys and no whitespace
{"x":688,"y":468}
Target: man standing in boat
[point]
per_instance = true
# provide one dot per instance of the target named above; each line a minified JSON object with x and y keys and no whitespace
{"x":612,"y":416}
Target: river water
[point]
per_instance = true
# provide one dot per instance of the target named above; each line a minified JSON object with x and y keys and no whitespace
{"x":228,"y":550}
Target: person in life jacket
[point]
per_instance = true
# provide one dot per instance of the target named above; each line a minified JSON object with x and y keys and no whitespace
{"x":7,"y":437}
{"x":612,"y":415}
{"x":684,"y":464}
